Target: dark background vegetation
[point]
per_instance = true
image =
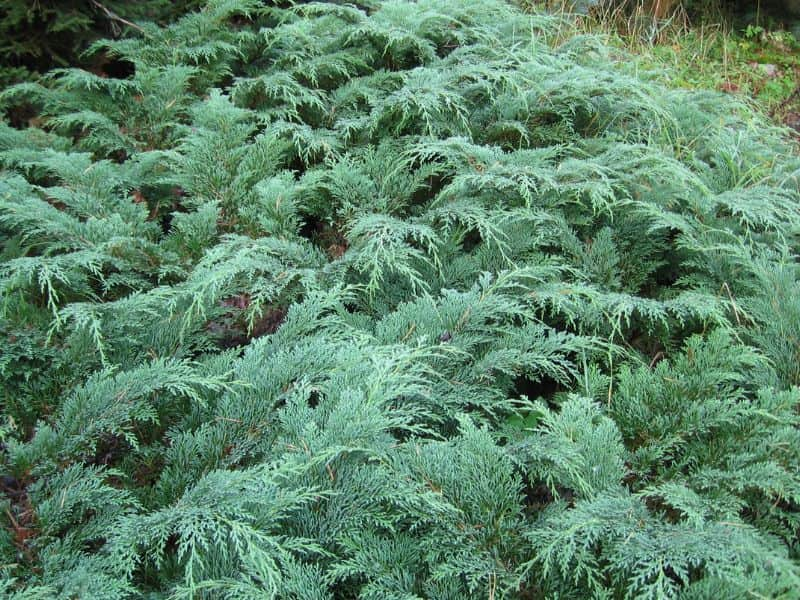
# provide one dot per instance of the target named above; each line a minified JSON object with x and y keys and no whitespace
{"x":37,"y":35}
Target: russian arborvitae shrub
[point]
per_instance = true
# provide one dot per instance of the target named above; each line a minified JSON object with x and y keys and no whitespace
{"x":394,"y":300}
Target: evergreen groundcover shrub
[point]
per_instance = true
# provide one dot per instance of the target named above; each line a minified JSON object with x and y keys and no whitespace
{"x":395,"y":300}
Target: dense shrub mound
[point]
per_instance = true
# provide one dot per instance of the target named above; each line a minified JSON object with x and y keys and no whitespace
{"x":394,"y":301}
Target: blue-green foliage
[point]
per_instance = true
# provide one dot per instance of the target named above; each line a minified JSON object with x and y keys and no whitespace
{"x":394,"y":300}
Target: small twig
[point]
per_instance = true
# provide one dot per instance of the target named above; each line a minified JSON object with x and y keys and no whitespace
{"x":115,"y":17}
{"x":659,"y":355}
{"x":230,"y":420}
{"x":788,"y":100}
{"x":733,"y":302}
{"x":12,"y":519}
